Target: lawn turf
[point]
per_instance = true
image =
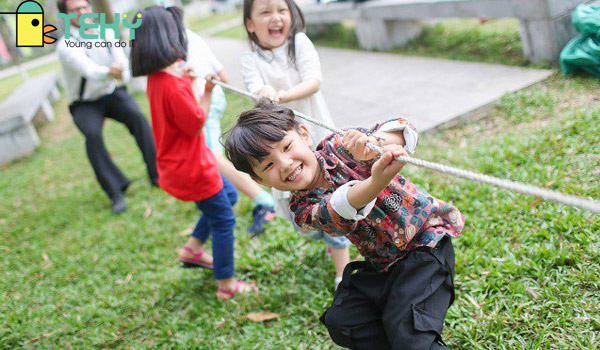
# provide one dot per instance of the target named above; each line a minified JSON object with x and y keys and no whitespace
{"x":74,"y":276}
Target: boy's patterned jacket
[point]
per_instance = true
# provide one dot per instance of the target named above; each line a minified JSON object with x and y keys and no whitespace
{"x":404,"y":217}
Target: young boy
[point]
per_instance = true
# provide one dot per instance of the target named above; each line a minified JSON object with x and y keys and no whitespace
{"x":399,"y":296}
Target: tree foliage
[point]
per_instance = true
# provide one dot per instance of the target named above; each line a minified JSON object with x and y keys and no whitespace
{"x":11,"y":5}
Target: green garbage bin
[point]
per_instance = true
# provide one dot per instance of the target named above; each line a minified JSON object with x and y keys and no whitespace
{"x":582,"y":53}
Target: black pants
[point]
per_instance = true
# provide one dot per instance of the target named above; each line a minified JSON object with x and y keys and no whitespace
{"x":403,"y":308}
{"x":89,"y":118}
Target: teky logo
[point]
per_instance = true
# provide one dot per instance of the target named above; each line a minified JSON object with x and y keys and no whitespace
{"x":31,"y":31}
{"x":103,"y":26}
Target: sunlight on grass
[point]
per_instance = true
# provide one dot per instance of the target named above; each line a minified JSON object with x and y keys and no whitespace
{"x":200,"y":24}
{"x":494,"y":41}
{"x":238,"y":32}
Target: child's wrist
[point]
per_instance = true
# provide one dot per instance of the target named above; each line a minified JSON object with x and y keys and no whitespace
{"x":373,"y":185}
{"x":377,"y":183}
{"x":282,"y":95}
{"x":362,"y":193}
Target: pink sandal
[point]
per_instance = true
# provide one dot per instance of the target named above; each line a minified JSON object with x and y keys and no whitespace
{"x":232,"y":293}
{"x":188,"y":263}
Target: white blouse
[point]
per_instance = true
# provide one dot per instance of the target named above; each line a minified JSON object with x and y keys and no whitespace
{"x":274,"y":68}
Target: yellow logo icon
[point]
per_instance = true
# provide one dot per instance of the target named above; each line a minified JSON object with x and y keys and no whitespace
{"x":31,"y":31}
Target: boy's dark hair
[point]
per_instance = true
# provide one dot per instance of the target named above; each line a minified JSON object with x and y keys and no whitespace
{"x":159,"y":41}
{"x":296,"y":27}
{"x":62,"y":5}
{"x":247,"y":140}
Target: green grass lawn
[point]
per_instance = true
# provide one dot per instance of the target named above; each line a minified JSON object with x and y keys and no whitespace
{"x":494,"y":41}
{"x":204,"y":23}
{"x":238,"y":32}
{"x":74,"y":276}
{"x":77,"y":277}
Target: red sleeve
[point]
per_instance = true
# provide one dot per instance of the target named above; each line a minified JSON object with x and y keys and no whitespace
{"x":187,"y":115}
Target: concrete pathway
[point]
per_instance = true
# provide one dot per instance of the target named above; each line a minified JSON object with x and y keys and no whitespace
{"x":366,"y":87}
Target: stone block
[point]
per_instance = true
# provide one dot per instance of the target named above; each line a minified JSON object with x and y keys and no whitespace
{"x":54,"y":94}
{"x":17,"y":139}
{"x":29,"y":104}
{"x":557,"y":8}
{"x":543,"y":39}
{"x":383,"y":35}
{"x":44,"y":114}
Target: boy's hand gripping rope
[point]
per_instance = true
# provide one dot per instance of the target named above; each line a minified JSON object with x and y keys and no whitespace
{"x":543,"y":193}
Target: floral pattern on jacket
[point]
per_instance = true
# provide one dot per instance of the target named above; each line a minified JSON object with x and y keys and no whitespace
{"x":405,"y":217}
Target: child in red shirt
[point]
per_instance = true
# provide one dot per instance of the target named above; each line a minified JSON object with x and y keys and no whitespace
{"x":187,"y":169}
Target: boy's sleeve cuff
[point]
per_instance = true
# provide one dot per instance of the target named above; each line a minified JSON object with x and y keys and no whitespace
{"x":339,"y":203}
{"x":411,"y":138}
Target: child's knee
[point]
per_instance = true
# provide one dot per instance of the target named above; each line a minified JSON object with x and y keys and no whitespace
{"x":223,"y":220}
{"x":346,"y":332}
{"x":336,"y":242}
{"x":226,"y":223}
{"x":336,"y":324}
{"x":233,"y":196}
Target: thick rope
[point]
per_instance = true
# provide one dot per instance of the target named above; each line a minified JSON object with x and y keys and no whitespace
{"x":530,"y":190}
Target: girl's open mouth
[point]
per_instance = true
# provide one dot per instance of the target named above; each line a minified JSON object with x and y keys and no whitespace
{"x":276,"y":32}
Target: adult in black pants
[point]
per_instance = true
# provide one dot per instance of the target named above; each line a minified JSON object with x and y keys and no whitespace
{"x":92,"y":70}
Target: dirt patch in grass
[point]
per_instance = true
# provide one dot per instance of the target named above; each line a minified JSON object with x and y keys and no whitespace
{"x":62,"y":127}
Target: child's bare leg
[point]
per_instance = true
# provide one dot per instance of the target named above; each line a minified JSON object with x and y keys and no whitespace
{"x":341,"y":258}
{"x":234,"y":286}
{"x":196,"y":245}
{"x":227,"y":284}
{"x":241,"y":181}
{"x":264,"y":210}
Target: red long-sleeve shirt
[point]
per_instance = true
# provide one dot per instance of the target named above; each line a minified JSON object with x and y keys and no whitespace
{"x":186,"y":167}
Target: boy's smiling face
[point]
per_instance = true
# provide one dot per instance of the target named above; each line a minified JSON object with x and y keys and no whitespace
{"x":291,"y":165}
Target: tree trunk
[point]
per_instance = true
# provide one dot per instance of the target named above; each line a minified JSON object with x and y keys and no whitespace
{"x":51,"y":17}
{"x":9,"y":40}
{"x":8,"y":37}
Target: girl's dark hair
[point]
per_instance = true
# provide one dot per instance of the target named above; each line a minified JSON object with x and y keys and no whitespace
{"x":159,"y":41}
{"x":296,"y":27}
{"x":248,"y":139}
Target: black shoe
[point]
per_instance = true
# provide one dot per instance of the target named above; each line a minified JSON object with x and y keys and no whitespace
{"x":154,"y":183}
{"x":118,"y":204}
